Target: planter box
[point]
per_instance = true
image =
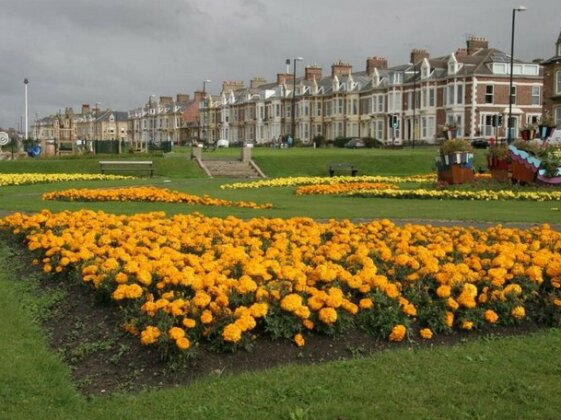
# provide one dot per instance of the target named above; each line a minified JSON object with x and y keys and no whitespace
{"x":523,"y":173}
{"x":456,"y":174}
{"x":500,"y":175}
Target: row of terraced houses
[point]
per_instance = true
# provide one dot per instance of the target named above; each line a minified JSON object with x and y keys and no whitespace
{"x":403,"y":103}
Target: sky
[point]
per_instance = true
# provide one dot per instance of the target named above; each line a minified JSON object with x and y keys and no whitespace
{"x":119,"y":52}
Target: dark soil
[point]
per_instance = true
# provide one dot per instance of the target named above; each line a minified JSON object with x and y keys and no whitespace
{"x":103,"y":359}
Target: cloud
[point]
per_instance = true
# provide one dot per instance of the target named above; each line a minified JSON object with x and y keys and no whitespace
{"x":119,"y":52}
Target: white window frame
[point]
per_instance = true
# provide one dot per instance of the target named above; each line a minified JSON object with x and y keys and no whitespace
{"x":558,"y":82}
{"x":492,"y":94}
{"x":536,"y":95}
{"x":557,"y":116}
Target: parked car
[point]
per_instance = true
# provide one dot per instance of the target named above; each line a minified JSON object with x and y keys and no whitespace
{"x":355,"y":143}
{"x":480,"y":143}
{"x":222,"y":143}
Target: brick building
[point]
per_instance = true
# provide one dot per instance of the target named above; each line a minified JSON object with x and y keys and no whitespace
{"x":465,"y":88}
{"x":552,"y":85}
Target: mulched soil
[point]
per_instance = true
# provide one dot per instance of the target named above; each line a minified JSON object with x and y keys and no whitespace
{"x":103,"y":359}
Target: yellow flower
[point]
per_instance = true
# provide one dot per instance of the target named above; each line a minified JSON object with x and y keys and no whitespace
{"x":299,"y":340}
{"x":175,"y":333}
{"x":443,"y":291}
{"x":491,"y":316}
{"x":206,"y":317}
{"x":467,"y":325}
{"x":291,"y":302}
{"x":449,"y":319}
{"x":518,"y":312}
{"x":365,"y":303}
{"x":426,"y":333}
{"x":189,"y":323}
{"x":328,"y":315}
{"x":232,"y":333}
{"x":398,"y":333}
{"x":149,"y":335}
{"x":183,"y":343}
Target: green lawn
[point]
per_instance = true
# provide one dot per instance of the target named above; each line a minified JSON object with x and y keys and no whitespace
{"x":513,"y":377}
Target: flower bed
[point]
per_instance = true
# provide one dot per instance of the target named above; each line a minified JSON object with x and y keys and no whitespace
{"x":28,"y":178}
{"x":485,"y":195}
{"x":186,"y":279}
{"x":153,"y":194}
{"x":344,"y":188}
{"x":307,"y":180}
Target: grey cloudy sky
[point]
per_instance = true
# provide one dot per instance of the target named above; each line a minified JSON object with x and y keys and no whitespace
{"x":118,"y":52}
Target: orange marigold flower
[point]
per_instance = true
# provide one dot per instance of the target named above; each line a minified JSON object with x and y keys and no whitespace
{"x":491,"y":316}
{"x":449,"y":319}
{"x":183,"y":343}
{"x":518,"y":312}
{"x":149,"y":335}
{"x":426,"y":333}
{"x":201,"y":299}
{"x":291,"y":302}
{"x":327,"y":315}
{"x":259,"y":310}
{"x":365,"y":303}
{"x":398,"y":333}
{"x":467,"y":325}
{"x":189,"y":323}
{"x":308,"y":324}
{"x":443,"y":291}
{"x":206,"y":317}
{"x":299,"y":340}
{"x":175,"y":333}
{"x":232,"y":333}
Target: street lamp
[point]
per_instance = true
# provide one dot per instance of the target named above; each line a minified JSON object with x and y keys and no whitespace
{"x":25,"y":82}
{"x":293,"y":107}
{"x":509,"y":123}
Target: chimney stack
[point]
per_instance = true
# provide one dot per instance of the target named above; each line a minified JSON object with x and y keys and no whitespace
{"x":256,"y":82}
{"x":475,"y":43}
{"x":341,"y":69}
{"x":418,"y":55}
{"x":313,"y":72}
{"x":284,"y":78}
{"x":375,"y":63}
{"x":85,"y":108}
{"x":231,"y":85}
{"x":182,"y":98}
{"x":166,"y":100}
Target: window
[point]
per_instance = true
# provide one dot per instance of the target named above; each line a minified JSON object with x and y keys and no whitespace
{"x":536,"y":95}
{"x":489,"y":94}
{"x":432,"y":97}
{"x":318,"y":109}
{"x":459,"y":94}
{"x":450,"y":94}
{"x":557,"y":116}
{"x":558,"y":82}
{"x":513,"y":95}
{"x":379,"y":129}
{"x":340,"y":106}
{"x":380,"y":106}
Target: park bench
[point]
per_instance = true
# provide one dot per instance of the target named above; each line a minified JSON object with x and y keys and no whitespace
{"x":341,"y":168}
{"x":126,"y":166}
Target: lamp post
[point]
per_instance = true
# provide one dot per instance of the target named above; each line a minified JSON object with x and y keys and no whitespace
{"x":509,"y":123}
{"x":26,"y":82}
{"x":293,"y":106}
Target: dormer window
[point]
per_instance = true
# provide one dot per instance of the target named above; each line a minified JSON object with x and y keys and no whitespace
{"x":425,"y":69}
{"x":453,"y":65}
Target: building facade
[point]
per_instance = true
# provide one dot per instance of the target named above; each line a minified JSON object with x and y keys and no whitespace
{"x":552,"y":85}
{"x":410,"y":103}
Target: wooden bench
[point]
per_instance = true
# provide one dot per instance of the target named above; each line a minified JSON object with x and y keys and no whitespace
{"x":338,"y":168}
{"x":126,"y":166}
